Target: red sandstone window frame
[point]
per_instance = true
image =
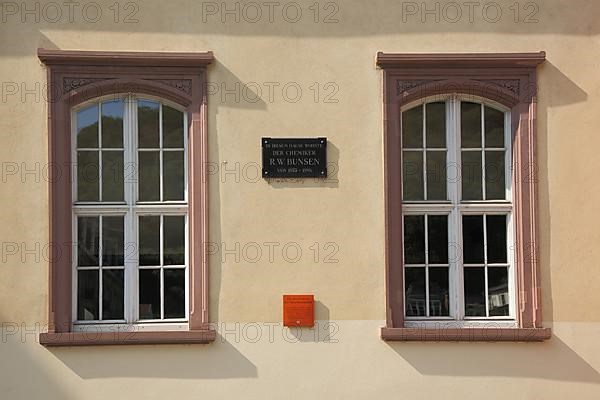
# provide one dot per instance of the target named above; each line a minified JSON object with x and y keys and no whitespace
{"x":74,"y":77}
{"x":508,"y":79}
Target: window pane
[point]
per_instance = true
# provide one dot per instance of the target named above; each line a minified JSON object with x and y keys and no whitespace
{"x":112,"y":176}
{"x":174,"y":293}
{"x":88,"y":237}
{"x":436,"y":175}
{"x":149,"y":173}
{"x":498,"y":291}
{"x":496,"y":238}
{"x":174,"y":237}
{"x":494,"y":127}
{"x":87,"y":295}
{"x":87,"y":127}
{"x":414,"y":284}
{"x":470,"y":124}
{"x":494,"y":175}
{"x":173,"y":175}
{"x":437,"y":234}
{"x":435,"y":124}
{"x":149,"y":236}
{"x":473,"y":239}
{"x":471,"y":175}
{"x":412,"y":128}
{"x":112,"y":294}
{"x":148,"y":124}
{"x":172,"y":127}
{"x":412,"y":174}
{"x":149,"y":294}
{"x":474,"y":291}
{"x":439,"y":299}
{"x":414,"y":239}
{"x":112,"y":124}
{"x":87,"y":176}
{"x":112,"y":241}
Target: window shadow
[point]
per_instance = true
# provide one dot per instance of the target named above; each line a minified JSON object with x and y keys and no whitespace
{"x":218,"y":360}
{"x":552,"y":360}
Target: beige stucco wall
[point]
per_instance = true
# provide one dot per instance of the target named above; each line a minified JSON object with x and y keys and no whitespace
{"x":347,"y":359}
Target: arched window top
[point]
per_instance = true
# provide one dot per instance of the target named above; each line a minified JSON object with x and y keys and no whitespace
{"x":123,"y":96}
{"x":463,"y":97}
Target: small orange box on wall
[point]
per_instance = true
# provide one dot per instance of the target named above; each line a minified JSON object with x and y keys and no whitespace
{"x":299,"y":310}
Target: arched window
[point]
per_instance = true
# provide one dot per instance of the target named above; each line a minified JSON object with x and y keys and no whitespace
{"x":460,"y":197}
{"x":457,"y":211}
{"x":128,"y":198}
{"x":130,"y":211}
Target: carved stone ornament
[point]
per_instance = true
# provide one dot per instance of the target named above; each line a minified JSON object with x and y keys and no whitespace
{"x":70,"y":84}
{"x":512,"y":85}
{"x":183,"y":85}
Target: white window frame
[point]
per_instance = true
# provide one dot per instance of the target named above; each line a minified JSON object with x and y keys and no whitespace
{"x":455,"y":208}
{"x":131,"y":209}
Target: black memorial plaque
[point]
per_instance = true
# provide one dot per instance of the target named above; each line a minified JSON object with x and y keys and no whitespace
{"x":294,"y":158}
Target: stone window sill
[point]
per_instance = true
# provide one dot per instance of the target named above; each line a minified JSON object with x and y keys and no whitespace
{"x":466,"y":334}
{"x":126,"y":338}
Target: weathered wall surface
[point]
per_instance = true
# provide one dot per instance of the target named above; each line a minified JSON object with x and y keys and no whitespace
{"x":312,"y":77}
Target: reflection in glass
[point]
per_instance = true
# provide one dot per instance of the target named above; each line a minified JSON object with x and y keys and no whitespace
{"x":414,"y":284}
{"x":173,"y":175}
{"x":498,"y":291}
{"x":412,"y":128}
{"x":87,"y":127}
{"x":112,"y":124}
{"x":87,"y":295}
{"x":174,"y":237}
{"x":496,"y":238}
{"x":437,"y":235}
{"x":471,"y":175}
{"x":474,"y":291}
{"x":112,"y":241}
{"x":88,"y":176}
{"x":112,"y":176}
{"x":88,"y":237}
{"x":472,"y":239}
{"x":149,"y":293}
{"x":470,"y":125}
{"x":439,"y":299}
{"x":172,"y":127}
{"x":112,"y":293}
{"x":149,"y":173}
{"x":436,"y":124}
{"x":494,"y":175}
{"x":148,"y":126}
{"x":412,"y":175}
{"x":149,"y":240}
{"x":174,"y":293}
{"x":414,"y":239}
{"x":436,"y":175}
{"x":494,"y":127}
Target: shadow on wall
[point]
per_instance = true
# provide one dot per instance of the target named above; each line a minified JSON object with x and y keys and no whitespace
{"x":218,"y":360}
{"x":555,"y":89}
{"x":324,"y":330}
{"x":552,"y":360}
{"x":18,"y":360}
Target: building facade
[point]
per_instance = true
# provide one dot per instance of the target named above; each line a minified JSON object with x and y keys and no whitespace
{"x":436,"y":202}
